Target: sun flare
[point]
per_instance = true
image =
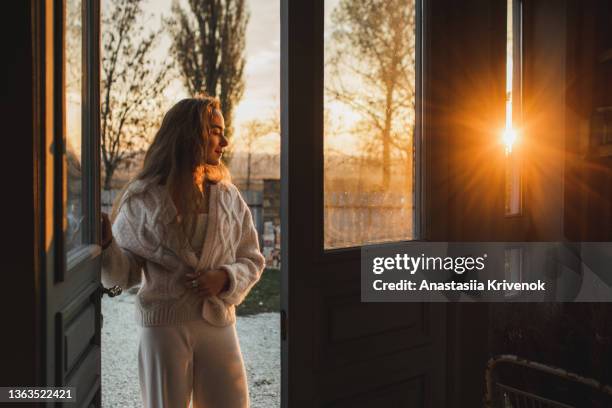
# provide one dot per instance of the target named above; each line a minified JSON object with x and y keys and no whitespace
{"x":509,"y":138}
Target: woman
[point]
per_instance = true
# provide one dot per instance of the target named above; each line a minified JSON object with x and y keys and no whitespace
{"x":184,"y":228}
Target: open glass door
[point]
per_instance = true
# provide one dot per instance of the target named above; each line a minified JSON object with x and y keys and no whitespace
{"x":71,"y":197}
{"x":350,"y":104}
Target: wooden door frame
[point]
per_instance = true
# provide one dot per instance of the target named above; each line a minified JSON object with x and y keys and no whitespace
{"x":298,"y":45}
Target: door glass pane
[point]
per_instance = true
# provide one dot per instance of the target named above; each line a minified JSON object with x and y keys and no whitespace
{"x":73,"y":86}
{"x":513,"y":197}
{"x":369,"y":121}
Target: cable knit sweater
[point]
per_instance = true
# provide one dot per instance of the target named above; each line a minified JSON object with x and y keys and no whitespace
{"x":149,"y":248}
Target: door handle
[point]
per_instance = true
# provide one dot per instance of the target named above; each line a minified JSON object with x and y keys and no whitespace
{"x":112,"y":291}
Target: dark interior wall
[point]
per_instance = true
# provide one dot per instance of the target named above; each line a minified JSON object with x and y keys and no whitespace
{"x":465,"y":73}
{"x":466,"y":80}
{"x":435,"y":147}
{"x":588,"y":191}
{"x":558,"y":98}
{"x":476,"y":96}
{"x":19,"y":351}
{"x":466,"y":179}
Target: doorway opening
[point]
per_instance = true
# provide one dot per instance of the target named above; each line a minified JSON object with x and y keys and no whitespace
{"x":146,"y":67}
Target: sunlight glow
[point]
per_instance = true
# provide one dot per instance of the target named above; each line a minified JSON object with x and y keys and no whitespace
{"x":509,"y":134}
{"x":509,"y":138}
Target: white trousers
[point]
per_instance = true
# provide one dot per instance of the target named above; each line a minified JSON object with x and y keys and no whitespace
{"x":192,"y":357}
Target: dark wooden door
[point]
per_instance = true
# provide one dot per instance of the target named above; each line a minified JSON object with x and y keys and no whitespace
{"x":338,"y":351}
{"x":69,"y":191}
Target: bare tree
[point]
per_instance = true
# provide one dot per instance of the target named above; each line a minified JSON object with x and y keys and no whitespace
{"x":208,"y":45}
{"x":371,"y":65}
{"x":132,"y":86}
{"x":253,"y":131}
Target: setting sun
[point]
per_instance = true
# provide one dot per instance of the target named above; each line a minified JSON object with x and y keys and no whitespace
{"x":509,"y":138}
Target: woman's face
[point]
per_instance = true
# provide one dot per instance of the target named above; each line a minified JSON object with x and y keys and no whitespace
{"x":216,"y":139}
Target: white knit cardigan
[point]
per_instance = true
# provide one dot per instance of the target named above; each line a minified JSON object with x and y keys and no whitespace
{"x":149,"y":248}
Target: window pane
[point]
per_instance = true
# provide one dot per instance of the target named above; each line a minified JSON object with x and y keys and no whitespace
{"x":513,"y":199}
{"x":73,"y":85}
{"x":369,"y":121}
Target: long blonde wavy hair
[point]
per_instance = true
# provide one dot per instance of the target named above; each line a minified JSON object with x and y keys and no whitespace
{"x":177,"y":157}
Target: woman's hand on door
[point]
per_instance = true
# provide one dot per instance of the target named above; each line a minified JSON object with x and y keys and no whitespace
{"x":209,"y":283}
{"x":107,"y":231}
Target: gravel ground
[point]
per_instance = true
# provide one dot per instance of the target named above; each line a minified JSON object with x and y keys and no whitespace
{"x":259,"y":341}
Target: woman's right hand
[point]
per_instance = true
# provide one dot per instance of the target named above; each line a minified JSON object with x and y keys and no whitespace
{"x":107,"y":231}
